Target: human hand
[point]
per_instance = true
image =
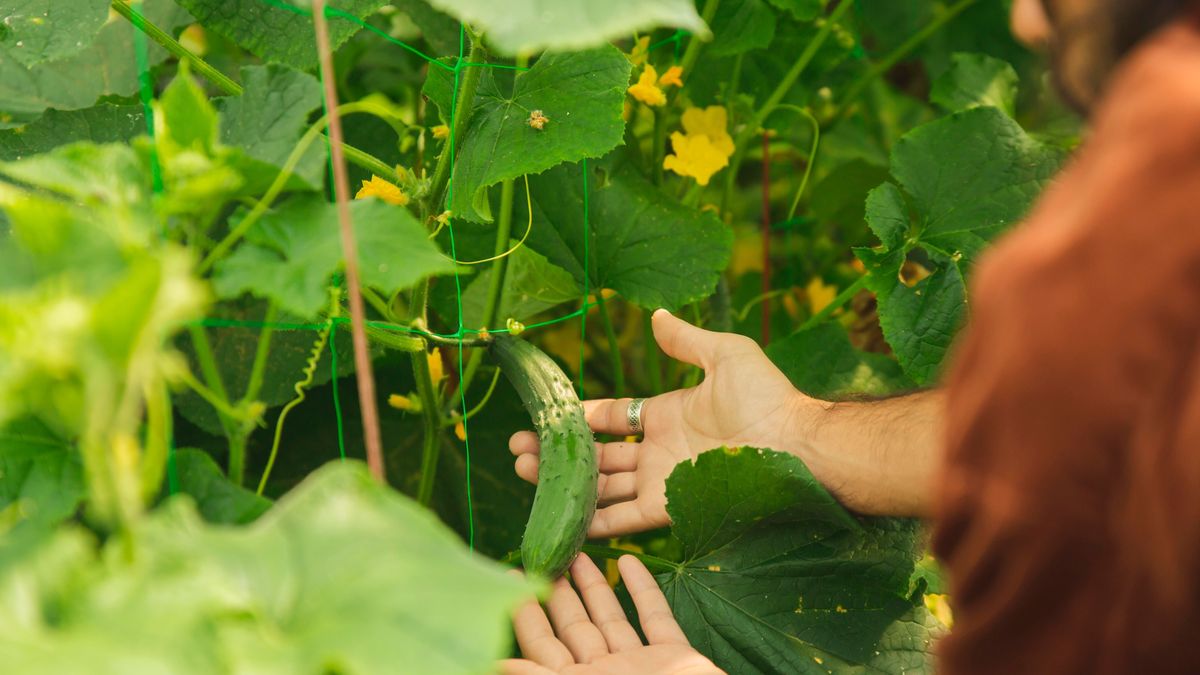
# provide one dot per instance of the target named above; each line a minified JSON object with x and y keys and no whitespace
{"x":743,"y":400}
{"x":593,"y":637}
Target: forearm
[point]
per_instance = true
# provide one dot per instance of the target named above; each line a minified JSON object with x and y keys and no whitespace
{"x":877,"y":457}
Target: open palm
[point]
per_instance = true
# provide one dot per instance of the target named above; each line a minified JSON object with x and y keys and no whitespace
{"x":743,"y":400}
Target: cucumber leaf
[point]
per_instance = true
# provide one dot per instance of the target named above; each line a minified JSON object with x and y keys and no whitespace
{"x":740,"y":26}
{"x":217,"y":499}
{"x":290,"y":255}
{"x":524,"y":27}
{"x":34,"y":31}
{"x":777,"y":577}
{"x":532,"y":285}
{"x":41,"y":478}
{"x":821,"y":362}
{"x":975,"y":80}
{"x":278,"y":31}
{"x":271,"y":115}
{"x":105,"y":123}
{"x":654,"y":252}
{"x":581,"y":93}
{"x":342,"y":575}
{"x":959,"y":182}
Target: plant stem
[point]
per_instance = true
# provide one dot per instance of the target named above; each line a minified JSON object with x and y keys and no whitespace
{"x":431,"y":417}
{"x":212,"y":377}
{"x":836,"y":304}
{"x":614,"y":347}
{"x":461,"y":113}
{"x":653,"y":563}
{"x":692,"y":53}
{"x":659,"y":148}
{"x":781,"y":90}
{"x":886,"y":64}
{"x":362,"y":357}
{"x":172,"y":45}
{"x":236,"y":469}
{"x":158,"y":437}
{"x":496,"y":283}
{"x":222,"y":82}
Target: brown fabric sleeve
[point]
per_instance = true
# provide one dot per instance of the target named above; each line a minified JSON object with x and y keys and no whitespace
{"x":1069,"y":511}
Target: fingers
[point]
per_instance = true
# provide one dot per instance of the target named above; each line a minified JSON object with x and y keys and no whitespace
{"x":536,"y":638}
{"x":626,"y":518}
{"x":658,"y":623}
{"x":618,"y":487}
{"x":685,"y":342}
{"x":681,"y":340}
{"x":613,"y":457}
{"x":611,"y":416}
{"x":523,"y":667}
{"x":603,"y":606}
{"x":573,"y":626}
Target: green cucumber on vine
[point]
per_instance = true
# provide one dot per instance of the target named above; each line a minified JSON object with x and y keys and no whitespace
{"x":568,"y":472}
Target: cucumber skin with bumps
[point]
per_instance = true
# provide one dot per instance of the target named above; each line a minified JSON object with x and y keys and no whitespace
{"x":568,"y":472}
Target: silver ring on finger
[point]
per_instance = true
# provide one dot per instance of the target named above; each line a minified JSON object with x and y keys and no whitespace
{"x":634,"y":414}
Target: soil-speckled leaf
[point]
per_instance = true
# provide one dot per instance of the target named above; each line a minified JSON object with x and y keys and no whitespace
{"x":581,"y":93}
{"x":821,"y":362}
{"x":342,"y":575}
{"x":975,"y":80}
{"x":40,"y":474}
{"x":106,"y":66}
{"x":778,"y":578}
{"x":962,"y":180}
{"x":274,"y":33}
{"x":267,"y":120}
{"x":651,"y":250}
{"x":532,"y":26}
{"x":33,"y":31}
{"x":291,"y":253}
{"x":104,"y":123}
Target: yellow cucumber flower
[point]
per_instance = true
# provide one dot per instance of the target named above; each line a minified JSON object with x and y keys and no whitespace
{"x":378,"y":187}
{"x":408,"y":403}
{"x":441,"y":131}
{"x":695,"y":156}
{"x":641,"y":49}
{"x":435,"y":366}
{"x":646,"y":90}
{"x":671,"y":77}
{"x":713,"y":122}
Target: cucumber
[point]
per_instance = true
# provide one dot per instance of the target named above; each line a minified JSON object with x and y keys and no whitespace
{"x":568,"y":471}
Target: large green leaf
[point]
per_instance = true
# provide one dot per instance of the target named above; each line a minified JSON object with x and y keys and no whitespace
{"x":276,"y":31}
{"x":581,"y":93}
{"x":779,"y":578}
{"x":525,"y":27}
{"x":742,"y":25}
{"x":974,"y":80}
{"x":267,"y":120}
{"x":343,"y":575}
{"x":105,"y":66}
{"x":33,"y":31}
{"x":217,"y":499}
{"x":651,"y":250}
{"x":290,"y":255}
{"x":105,"y":123}
{"x":821,"y":362}
{"x":532,"y":285}
{"x":41,"y":478}
{"x":960,"y":181}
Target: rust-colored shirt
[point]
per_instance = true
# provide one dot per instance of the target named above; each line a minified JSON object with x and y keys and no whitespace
{"x":1068,"y":517}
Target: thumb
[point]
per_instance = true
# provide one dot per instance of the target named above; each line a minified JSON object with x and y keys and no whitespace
{"x":683,"y":341}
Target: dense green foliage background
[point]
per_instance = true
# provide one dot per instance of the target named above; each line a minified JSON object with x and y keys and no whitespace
{"x":173,"y":326}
